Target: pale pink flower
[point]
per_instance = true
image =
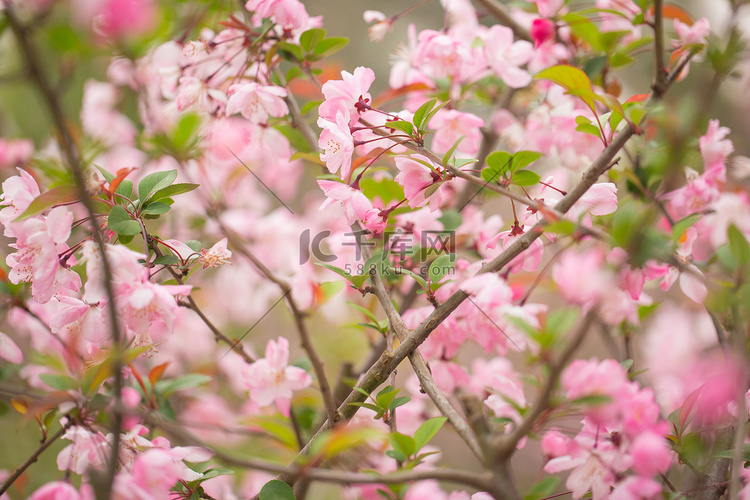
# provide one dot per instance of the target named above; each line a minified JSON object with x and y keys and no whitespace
{"x":17,"y":194}
{"x":216,"y":256}
{"x":555,"y":444}
{"x":547,"y":8}
{"x":417,"y":180}
{"x":699,"y":194}
{"x":600,"y":199}
{"x":504,"y":56}
{"x":271,"y":381}
{"x":691,"y":35}
{"x":36,"y":258}
{"x":528,"y":260}
{"x":450,"y":125}
{"x":715,"y":148}
{"x":337,"y":144}
{"x":548,"y":53}
{"x":87,"y":450}
{"x":651,"y":454}
{"x":636,"y":488}
{"x":9,"y":351}
{"x":441,"y":55}
{"x":125,"y":18}
{"x":257,"y":102}
{"x":581,"y":277}
{"x":195,"y":94}
{"x":692,"y":281}
{"x":56,"y":490}
{"x":289,"y":14}
{"x":381,"y":26}
{"x":99,"y":117}
{"x":13,"y":152}
{"x":75,"y":317}
{"x":345,"y":93}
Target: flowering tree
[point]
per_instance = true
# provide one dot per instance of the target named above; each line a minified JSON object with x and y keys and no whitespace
{"x":501,"y":206}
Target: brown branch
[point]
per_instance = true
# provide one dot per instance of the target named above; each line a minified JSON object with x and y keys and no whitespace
{"x":33,"y":458}
{"x":307,"y":345}
{"x":415,"y":357}
{"x":660,"y":76}
{"x":67,"y":144}
{"x":500,"y":13}
{"x":507,"y":445}
{"x":236,"y":346}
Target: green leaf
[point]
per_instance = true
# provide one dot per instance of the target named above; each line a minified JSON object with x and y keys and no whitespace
{"x":276,"y":490}
{"x":173,"y":190}
{"x":185,"y":131}
{"x":400,"y":401}
{"x":427,"y":431}
{"x":589,"y":129}
{"x":48,"y":199}
{"x":543,"y":488}
{"x":406,"y":445}
{"x":420,"y":113}
{"x":525,"y":178}
{"x":738,"y":245}
{"x":403,"y":126}
{"x":386,"y":396}
{"x":167,"y":260}
{"x":120,"y":222}
{"x":167,"y":387}
{"x":571,"y":79}
{"x":154,"y":182}
{"x":310,"y":38}
{"x":682,"y":225}
{"x":125,"y":189}
{"x":59,"y":382}
{"x":498,"y":163}
{"x":449,"y":153}
{"x":330,"y":46}
{"x":584,"y":29}
{"x":441,"y":266}
{"x":364,"y":311}
{"x":593,"y":400}
{"x":156,"y":208}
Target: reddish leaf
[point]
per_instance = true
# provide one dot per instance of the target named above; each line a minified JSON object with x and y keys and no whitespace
{"x":156,"y":372}
{"x":121,"y":174}
{"x":637,"y":98}
{"x":687,"y":407}
{"x":673,"y":12}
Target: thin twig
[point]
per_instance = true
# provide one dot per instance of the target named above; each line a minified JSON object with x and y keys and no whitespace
{"x":415,"y":357}
{"x":507,"y":445}
{"x":67,"y":144}
{"x":499,"y":11}
{"x":307,"y":345}
{"x":33,"y":458}
{"x":191,"y":304}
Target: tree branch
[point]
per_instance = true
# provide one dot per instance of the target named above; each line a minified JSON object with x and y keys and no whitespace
{"x":307,"y":345}
{"x":33,"y":458}
{"x":65,"y":140}
{"x":500,"y":13}
{"x":415,"y":357}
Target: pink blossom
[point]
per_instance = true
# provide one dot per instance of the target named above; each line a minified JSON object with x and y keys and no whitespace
{"x":529,"y":259}
{"x":714,"y":149}
{"x":441,"y":55}
{"x":9,"y":351}
{"x":87,"y":450}
{"x":56,"y":490}
{"x":504,"y":56}
{"x":270,"y":380}
{"x":256,"y":102}
{"x":381,"y":26}
{"x":600,"y":199}
{"x":14,"y":152}
{"x":691,"y":35}
{"x":416,"y":178}
{"x":345,"y":93}
{"x":337,"y":144}
{"x":636,"y":488}
{"x":580,"y":277}
{"x":36,"y":258}
{"x":547,"y":8}
{"x":692,"y":281}
{"x":216,"y":256}
{"x":699,"y":194}
{"x":17,"y":194}
{"x":555,"y":444}
{"x":125,"y":18}
{"x":355,"y":205}
{"x":289,"y":14}
{"x":651,"y":454}
{"x":197,"y":95}
{"x":450,"y":125}
{"x":541,"y":31}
